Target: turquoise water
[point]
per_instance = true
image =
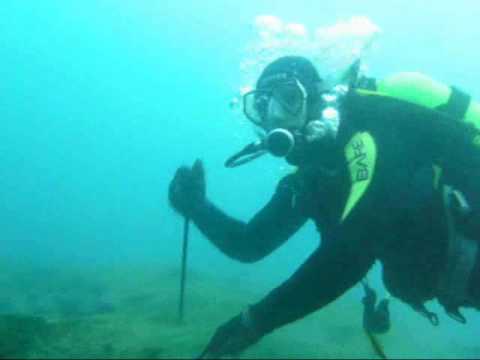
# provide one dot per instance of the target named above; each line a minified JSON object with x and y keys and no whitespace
{"x":102,"y":100}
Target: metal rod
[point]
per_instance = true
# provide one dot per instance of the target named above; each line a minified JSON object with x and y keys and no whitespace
{"x":186,"y":228}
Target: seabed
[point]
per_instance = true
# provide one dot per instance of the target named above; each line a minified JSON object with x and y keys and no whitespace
{"x":130,"y":311}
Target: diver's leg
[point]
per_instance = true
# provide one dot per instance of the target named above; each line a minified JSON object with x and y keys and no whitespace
{"x":474,"y":284}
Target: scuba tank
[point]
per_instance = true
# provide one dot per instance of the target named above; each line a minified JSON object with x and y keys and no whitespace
{"x":422,"y":90}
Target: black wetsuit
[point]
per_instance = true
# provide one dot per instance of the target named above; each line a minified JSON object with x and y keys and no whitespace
{"x":397,"y":219}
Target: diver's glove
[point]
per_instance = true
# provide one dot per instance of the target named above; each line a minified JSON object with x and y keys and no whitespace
{"x":187,"y":189}
{"x":376,"y":318}
{"x":233,"y":337}
{"x":370,"y":298}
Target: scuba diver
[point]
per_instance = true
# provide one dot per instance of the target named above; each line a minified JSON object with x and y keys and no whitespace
{"x":387,"y":173}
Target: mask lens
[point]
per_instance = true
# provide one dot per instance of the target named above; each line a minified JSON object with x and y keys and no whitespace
{"x":290,"y":96}
{"x":255,"y":106}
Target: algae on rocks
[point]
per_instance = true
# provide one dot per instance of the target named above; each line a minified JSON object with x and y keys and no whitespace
{"x":19,"y":334}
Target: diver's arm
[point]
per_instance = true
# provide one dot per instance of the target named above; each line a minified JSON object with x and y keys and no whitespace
{"x":249,"y":242}
{"x":331,"y":270}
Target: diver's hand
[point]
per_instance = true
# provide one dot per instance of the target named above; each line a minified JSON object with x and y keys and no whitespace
{"x":370,"y":297}
{"x":383,"y":316}
{"x":187,"y":189}
{"x":232,"y":338}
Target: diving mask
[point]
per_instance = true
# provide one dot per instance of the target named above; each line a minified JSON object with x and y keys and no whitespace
{"x":288,"y":94}
{"x":292,"y":143}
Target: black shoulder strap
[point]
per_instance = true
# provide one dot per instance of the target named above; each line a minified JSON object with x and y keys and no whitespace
{"x":457,"y":104}
{"x":367,"y":83}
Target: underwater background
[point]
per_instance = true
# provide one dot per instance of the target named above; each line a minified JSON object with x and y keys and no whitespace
{"x":100,"y":102}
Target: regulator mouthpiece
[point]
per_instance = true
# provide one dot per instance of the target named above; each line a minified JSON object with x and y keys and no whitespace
{"x":280,"y":142}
